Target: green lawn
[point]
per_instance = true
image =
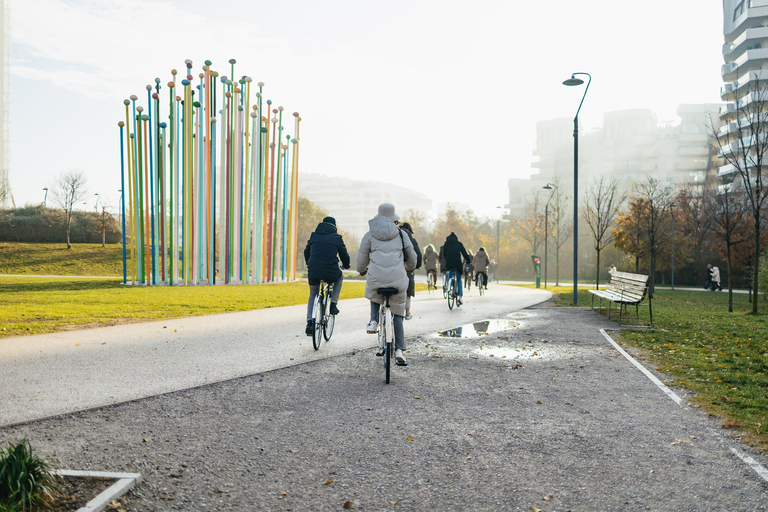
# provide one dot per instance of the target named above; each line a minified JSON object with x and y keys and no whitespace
{"x":721,"y":356}
{"x":34,"y":305}
{"x":57,"y":260}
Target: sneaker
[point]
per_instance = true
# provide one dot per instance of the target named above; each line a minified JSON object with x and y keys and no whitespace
{"x":334,"y":309}
{"x":310,"y":328}
{"x":373,"y":327}
{"x":459,"y":301}
{"x":408,"y":317}
{"x":400,"y":358}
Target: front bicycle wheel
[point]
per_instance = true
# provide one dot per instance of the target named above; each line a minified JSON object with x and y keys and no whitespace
{"x":451,"y":293}
{"x":317,"y":332}
{"x":330,"y":321}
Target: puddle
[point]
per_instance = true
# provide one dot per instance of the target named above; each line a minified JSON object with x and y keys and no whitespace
{"x":478,"y":329}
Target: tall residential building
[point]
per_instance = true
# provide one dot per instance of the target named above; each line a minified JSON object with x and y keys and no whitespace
{"x":745,"y":72}
{"x":631,"y":145}
{"x":6,"y":196}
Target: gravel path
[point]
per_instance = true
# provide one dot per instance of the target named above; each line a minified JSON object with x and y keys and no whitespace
{"x":545,"y":414}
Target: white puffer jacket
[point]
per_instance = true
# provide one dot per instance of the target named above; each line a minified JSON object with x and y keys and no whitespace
{"x":381,"y":252}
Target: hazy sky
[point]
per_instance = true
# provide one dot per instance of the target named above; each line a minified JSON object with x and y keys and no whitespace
{"x":434,"y":95}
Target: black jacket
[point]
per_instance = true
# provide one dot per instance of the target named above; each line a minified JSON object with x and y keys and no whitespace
{"x":453,"y":250}
{"x":419,"y":257}
{"x":323,"y":246}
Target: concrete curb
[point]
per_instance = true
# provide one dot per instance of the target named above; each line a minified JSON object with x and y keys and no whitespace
{"x":124,"y":483}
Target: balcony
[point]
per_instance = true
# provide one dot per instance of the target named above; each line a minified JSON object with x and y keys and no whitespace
{"x":751,"y":18}
{"x":752,"y":59}
{"x":727,"y":170}
{"x":729,"y":71}
{"x":749,"y":38}
{"x":726,"y":92}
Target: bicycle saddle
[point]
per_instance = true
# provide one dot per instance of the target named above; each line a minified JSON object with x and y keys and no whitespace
{"x":387,"y":292}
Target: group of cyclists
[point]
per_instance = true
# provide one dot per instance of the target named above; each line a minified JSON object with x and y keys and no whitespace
{"x":388,"y":257}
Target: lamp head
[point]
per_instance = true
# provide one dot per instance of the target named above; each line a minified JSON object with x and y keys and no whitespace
{"x":573,"y":81}
{"x":547,"y":187}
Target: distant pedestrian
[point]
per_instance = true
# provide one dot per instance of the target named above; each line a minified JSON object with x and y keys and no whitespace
{"x":709,"y":277}
{"x":612,"y":270}
{"x":716,"y":279}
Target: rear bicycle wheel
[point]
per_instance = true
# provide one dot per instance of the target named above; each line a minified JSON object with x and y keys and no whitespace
{"x":385,"y":326}
{"x":480,"y":284}
{"x":451,"y":293}
{"x":317,"y":331}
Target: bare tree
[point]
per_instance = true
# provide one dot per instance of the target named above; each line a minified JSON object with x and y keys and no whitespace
{"x":530,"y":226}
{"x":560,"y":225}
{"x":602,"y":201}
{"x":68,"y":191}
{"x":728,"y":211}
{"x":655,"y":220}
{"x":744,"y":147}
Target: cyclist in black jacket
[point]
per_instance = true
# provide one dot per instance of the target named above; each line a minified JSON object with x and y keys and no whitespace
{"x":324,"y":249}
{"x":453,"y":250}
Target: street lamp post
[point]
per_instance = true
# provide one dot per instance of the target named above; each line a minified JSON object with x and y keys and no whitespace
{"x":673,"y":205}
{"x":573,"y":81}
{"x":498,"y":243}
{"x":96,"y":205}
{"x":45,"y":199}
{"x":552,"y":187}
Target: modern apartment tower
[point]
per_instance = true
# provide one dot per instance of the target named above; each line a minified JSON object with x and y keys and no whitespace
{"x":745,"y":72}
{"x":6,"y":196}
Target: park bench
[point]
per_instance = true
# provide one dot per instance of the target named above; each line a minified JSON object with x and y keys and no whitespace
{"x":624,"y":289}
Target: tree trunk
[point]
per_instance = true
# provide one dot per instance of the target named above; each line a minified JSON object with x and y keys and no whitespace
{"x":728,"y":268}
{"x":757,"y":260}
{"x":652,"y":276}
{"x":597,"y":277}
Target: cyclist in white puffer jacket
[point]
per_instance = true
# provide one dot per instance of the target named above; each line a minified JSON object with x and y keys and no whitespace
{"x":385,"y":254}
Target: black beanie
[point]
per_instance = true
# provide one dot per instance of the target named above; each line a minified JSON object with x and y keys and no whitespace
{"x":330,"y":220}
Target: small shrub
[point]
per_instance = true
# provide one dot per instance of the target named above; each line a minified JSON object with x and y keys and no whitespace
{"x":26,"y":480}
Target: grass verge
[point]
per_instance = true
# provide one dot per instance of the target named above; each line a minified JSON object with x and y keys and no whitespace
{"x":57,"y":260}
{"x":36,"y":305}
{"x":722,"y":357}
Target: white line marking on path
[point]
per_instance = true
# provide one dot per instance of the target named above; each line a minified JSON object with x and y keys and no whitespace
{"x":749,"y":461}
{"x":671,"y":394}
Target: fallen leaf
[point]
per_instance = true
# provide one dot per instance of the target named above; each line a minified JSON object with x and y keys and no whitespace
{"x":535,"y":508}
{"x":327,"y":482}
{"x":679,"y":441}
{"x":392,"y":502}
{"x":547,"y":498}
{"x":146,"y":439}
{"x":294,"y":451}
{"x":469,"y":456}
{"x":348,"y":505}
{"x":283,"y":493}
{"x":417,"y":397}
{"x":538,"y":402}
{"x":409,"y":438}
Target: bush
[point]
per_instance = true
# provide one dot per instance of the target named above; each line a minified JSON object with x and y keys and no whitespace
{"x":26,"y":480}
{"x":38,"y":224}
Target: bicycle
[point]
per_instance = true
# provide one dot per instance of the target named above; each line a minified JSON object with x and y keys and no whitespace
{"x":480,"y":286}
{"x":431,"y":281}
{"x":386,"y":331}
{"x":322,"y":328}
{"x":452,"y":291}
{"x":468,"y":280}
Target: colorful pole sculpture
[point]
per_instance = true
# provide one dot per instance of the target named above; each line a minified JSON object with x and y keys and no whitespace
{"x":210,"y":195}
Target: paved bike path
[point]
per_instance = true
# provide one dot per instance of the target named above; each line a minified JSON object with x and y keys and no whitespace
{"x":51,"y":374}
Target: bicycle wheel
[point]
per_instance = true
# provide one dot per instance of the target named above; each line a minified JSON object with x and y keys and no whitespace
{"x":390,"y":334}
{"x":445,"y":288}
{"x":451,"y":293}
{"x":330,"y":321}
{"x":317,"y":332}
{"x":480,"y":284}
